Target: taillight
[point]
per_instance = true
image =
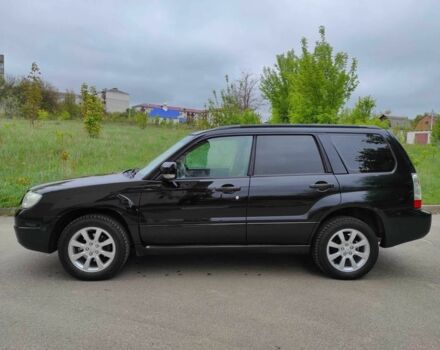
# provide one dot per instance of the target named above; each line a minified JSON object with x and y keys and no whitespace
{"x":417,"y":204}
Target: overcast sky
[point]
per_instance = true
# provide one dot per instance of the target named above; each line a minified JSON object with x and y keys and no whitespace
{"x":176,"y":52}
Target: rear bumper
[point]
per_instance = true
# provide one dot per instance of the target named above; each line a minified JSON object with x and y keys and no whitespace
{"x":405,"y":226}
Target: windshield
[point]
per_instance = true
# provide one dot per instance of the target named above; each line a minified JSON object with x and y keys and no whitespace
{"x":163,"y":157}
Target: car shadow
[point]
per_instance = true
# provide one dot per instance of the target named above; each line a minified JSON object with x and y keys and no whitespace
{"x":221,"y":263}
{"x":209,"y":264}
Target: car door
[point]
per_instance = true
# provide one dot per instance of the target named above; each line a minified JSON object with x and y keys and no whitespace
{"x":206,"y":203}
{"x":290,"y":182}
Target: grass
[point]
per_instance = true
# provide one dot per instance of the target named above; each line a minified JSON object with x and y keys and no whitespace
{"x":426,"y":159}
{"x":57,"y":150}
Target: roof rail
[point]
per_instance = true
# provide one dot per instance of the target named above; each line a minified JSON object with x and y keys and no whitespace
{"x":336,"y":126}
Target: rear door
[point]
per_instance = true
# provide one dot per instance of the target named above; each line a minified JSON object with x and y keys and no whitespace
{"x":290,"y":182}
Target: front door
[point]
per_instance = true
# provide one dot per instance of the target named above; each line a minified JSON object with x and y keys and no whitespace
{"x":206,"y":204}
{"x":289,"y":183}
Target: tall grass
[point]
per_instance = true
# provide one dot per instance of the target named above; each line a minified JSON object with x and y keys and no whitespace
{"x":57,"y":150}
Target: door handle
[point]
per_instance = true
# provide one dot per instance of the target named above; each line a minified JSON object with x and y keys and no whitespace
{"x":227,"y":189}
{"x":322,"y":186}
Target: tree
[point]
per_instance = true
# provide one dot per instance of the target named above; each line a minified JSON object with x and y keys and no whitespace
{"x":362,"y":113}
{"x":70,"y":106}
{"x":92,"y":110}
{"x":245,"y":91}
{"x":312,"y":87}
{"x":32,"y":94}
{"x":436,"y":130}
{"x":49,"y":98}
{"x":275,"y":85}
{"x":10,"y":96}
{"x":235,"y":104}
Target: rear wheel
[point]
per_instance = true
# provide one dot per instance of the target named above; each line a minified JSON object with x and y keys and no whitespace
{"x":345,"y":248}
{"x":93,"y":247}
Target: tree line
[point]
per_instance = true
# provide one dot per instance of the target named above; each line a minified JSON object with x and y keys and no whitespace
{"x":309,"y":86}
{"x":33,"y":98}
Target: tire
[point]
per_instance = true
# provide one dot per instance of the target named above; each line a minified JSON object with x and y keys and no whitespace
{"x":345,"y":259}
{"x":93,"y":247}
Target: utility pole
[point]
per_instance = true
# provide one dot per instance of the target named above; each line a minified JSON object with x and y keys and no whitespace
{"x":2,"y":66}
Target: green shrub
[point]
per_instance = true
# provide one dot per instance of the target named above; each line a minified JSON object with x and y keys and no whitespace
{"x":92,"y":110}
{"x":436,"y":132}
{"x":43,"y":115}
{"x":117,"y":117}
{"x":141,"y":119}
{"x":156,"y":121}
{"x":64,"y":115}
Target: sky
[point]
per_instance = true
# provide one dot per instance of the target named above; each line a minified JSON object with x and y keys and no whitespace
{"x":177,"y":52}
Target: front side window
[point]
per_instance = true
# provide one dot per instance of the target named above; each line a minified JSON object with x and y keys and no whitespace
{"x":217,"y":157}
{"x":163,"y":157}
{"x":287,"y":154}
{"x":364,"y":153}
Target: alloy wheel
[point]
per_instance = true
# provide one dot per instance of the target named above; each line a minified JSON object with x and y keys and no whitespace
{"x":348,"y":250}
{"x":91,"y":249}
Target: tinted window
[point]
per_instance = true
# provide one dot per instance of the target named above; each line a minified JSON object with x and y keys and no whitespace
{"x":364,"y":153}
{"x":287,"y":154}
{"x":217,"y":157}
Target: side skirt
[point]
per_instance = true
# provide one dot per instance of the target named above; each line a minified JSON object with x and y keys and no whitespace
{"x":227,"y":248}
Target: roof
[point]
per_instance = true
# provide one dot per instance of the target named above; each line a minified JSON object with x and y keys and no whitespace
{"x":162,"y":113}
{"x":174,"y":108}
{"x":115,"y":90}
{"x":396,"y":121}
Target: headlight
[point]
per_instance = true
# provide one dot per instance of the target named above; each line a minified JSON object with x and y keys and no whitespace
{"x":30,"y":199}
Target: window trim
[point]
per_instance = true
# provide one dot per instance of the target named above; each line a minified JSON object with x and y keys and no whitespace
{"x":351,"y":172}
{"x":323,"y":156}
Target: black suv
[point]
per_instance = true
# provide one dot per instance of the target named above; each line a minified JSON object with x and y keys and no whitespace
{"x":337,"y":192}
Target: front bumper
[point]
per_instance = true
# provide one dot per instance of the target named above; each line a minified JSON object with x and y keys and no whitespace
{"x":33,"y":238}
{"x":34,"y":234}
{"x":405,"y":226}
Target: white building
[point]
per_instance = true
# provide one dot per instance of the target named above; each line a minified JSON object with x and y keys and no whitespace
{"x":418,"y":137}
{"x":115,"y":100}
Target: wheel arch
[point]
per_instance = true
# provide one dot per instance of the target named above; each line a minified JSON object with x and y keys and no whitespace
{"x":69,"y":216}
{"x":368,"y":215}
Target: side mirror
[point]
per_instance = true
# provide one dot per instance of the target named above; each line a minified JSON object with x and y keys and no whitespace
{"x":168,"y":170}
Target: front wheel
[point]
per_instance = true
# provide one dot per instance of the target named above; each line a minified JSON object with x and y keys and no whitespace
{"x":93,"y":247}
{"x":345,"y":248}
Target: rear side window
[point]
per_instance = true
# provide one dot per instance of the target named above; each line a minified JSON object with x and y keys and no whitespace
{"x":287,"y":154}
{"x":364,"y":153}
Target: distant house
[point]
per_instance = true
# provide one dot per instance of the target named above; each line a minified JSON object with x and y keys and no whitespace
{"x":418,"y":137}
{"x":396,"y":122}
{"x":115,"y":100}
{"x":423,"y":130}
{"x":173,"y":113}
{"x":426,"y":123}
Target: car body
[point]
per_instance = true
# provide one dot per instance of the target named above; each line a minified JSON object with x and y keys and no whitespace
{"x":244,"y":187}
